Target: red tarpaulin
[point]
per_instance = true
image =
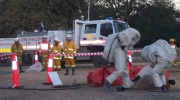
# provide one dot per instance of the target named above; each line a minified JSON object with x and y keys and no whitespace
{"x":98,"y":77}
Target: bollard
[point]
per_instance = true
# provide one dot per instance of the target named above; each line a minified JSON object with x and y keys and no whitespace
{"x":36,"y":57}
{"x":50,"y":69}
{"x":129,"y":59}
{"x":15,"y":72}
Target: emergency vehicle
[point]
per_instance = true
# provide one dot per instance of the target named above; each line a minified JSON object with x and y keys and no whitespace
{"x":89,"y":36}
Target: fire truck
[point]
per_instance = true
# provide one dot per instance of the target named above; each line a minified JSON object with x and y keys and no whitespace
{"x":89,"y":36}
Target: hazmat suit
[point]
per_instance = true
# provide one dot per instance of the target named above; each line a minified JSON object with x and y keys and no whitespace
{"x":161,"y":56}
{"x":116,"y":51}
{"x":69,"y":49}
{"x":18,"y":48}
{"x":56,"y":50}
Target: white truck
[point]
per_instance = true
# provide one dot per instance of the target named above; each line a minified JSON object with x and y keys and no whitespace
{"x":89,"y":36}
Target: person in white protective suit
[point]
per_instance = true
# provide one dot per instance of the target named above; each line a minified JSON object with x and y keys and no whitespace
{"x":161,"y":56}
{"x":116,"y":51}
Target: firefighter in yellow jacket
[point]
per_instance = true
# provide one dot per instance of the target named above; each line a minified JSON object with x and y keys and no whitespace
{"x":173,"y":45}
{"x":56,"y":50}
{"x":69,"y":48}
{"x":44,"y":50}
{"x":18,"y":48}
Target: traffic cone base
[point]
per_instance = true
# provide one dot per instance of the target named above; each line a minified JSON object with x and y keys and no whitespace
{"x":48,"y":83}
{"x":17,"y":87}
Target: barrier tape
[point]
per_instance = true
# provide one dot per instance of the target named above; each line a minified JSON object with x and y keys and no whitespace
{"x":8,"y":55}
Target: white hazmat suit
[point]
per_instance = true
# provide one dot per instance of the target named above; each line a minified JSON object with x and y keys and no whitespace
{"x":161,"y":56}
{"x":116,"y":51}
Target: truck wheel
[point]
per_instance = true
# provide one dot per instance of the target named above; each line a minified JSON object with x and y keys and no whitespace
{"x":98,"y":61}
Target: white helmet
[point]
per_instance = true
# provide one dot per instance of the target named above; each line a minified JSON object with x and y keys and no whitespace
{"x":56,"y":39}
{"x":44,"y":36}
{"x":16,"y":39}
{"x":69,"y":36}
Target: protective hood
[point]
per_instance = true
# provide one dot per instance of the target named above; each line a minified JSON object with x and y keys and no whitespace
{"x":128,"y":37}
{"x":161,"y":49}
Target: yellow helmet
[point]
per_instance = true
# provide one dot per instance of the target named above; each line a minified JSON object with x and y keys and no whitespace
{"x":171,"y":40}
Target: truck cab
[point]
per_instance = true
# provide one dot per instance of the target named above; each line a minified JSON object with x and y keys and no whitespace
{"x":90,"y":36}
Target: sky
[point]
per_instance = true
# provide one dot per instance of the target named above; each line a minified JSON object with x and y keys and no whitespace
{"x":177,"y":3}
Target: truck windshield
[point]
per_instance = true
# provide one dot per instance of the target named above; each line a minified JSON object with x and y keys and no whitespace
{"x":119,"y":26}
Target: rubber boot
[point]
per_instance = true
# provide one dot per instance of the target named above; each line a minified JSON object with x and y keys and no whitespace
{"x":67,"y":71}
{"x":54,"y":69}
{"x":172,"y":82}
{"x":20,"y":69}
{"x":164,"y":88}
{"x":120,"y":89}
{"x":73,"y":70}
{"x":157,"y":89}
{"x":107,"y":85}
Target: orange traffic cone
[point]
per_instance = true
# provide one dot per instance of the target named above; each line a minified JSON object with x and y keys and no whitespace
{"x":50,"y":69}
{"x":15,"y":72}
{"x":129,"y":59}
{"x":36,"y":57}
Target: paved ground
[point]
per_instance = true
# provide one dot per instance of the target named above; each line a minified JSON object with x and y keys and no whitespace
{"x":86,"y":92}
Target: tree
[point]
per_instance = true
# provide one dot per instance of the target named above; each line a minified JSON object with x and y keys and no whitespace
{"x":24,"y":15}
{"x":155,"y":20}
{"x":114,"y":8}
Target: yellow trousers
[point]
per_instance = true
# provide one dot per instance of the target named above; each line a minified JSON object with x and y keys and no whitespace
{"x":57,"y":63}
{"x":44,"y":62}
{"x":69,"y":62}
{"x":19,"y":60}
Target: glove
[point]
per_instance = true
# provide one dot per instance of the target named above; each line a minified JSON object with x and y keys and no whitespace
{"x":152,"y":64}
{"x":122,"y":47}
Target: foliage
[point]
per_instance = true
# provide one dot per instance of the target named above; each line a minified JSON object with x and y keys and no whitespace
{"x":154,"y":19}
{"x":24,"y":15}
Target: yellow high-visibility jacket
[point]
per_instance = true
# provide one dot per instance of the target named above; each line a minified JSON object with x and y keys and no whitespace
{"x":18,"y":49}
{"x":69,"y":48}
{"x":56,"y":50}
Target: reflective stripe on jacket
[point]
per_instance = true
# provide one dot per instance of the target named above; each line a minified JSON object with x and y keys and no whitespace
{"x":69,"y":48}
{"x":44,"y":49}
{"x":56,"y":50}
